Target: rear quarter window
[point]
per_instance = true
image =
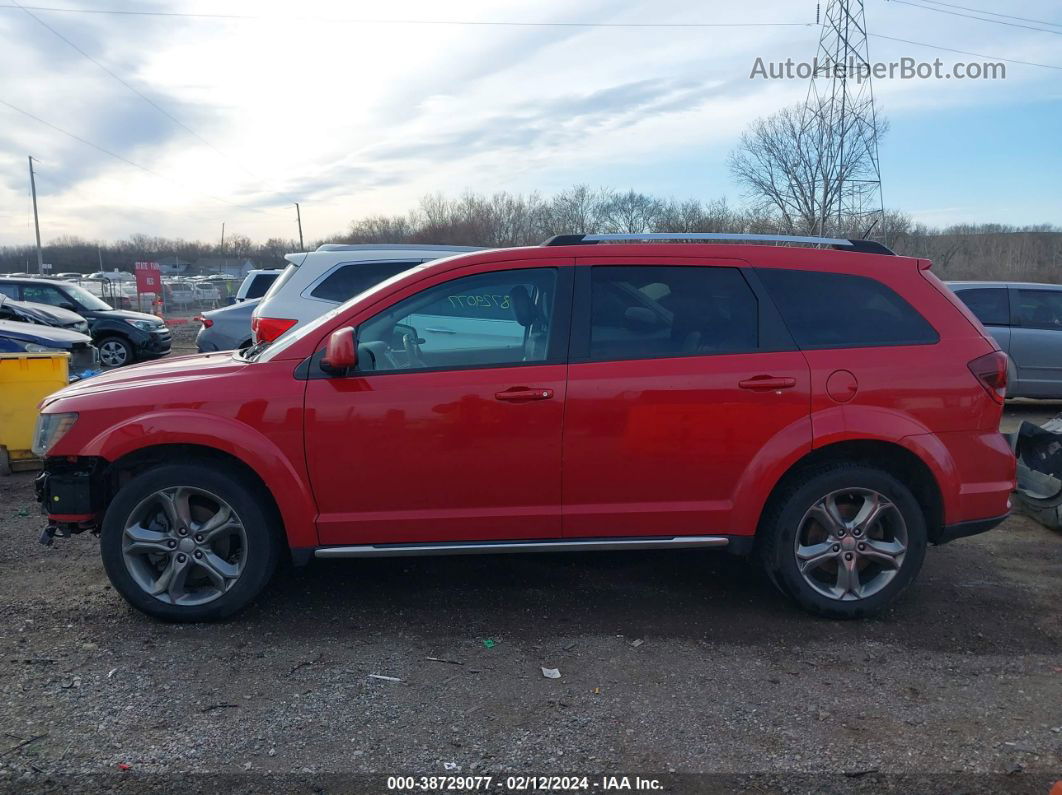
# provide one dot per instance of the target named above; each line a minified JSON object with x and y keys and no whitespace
{"x":261,"y":283}
{"x":835,"y":310}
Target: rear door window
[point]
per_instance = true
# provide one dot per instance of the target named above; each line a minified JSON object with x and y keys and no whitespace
{"x":837,"y":310}
{"x":1040,"y":308}
{"x":44,"y":294}
{"x":646,"y":312}
{"x":989,"y":304}
{"x":354,"y":278}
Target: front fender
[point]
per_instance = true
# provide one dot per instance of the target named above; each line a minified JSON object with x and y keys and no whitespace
{"x":285,"y":482}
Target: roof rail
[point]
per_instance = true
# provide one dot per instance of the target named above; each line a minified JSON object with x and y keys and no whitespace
{"x":861,"y":246}
{"x":392,"y":247}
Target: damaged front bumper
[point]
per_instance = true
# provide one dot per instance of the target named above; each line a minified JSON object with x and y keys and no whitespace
{"x":69,"y":494}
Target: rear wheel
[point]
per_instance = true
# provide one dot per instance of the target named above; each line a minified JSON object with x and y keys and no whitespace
{"x":115,"y":351}
{"x":189,"y":543}
{"x":844,"y":540}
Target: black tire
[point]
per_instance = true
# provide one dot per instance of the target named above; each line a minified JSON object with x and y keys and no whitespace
{"x":777,"y":537}
{"x":115,"y":351}
{"x":259,"y":557}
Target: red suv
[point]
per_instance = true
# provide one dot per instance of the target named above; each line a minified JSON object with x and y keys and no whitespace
{"x":823,"y":403}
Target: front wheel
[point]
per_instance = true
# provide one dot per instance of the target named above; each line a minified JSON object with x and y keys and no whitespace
{"x":115,"y":352}
{"x":189,"y":543}
{"x":844,"y":540}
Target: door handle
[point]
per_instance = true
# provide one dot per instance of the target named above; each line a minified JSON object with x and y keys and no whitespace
{"x":521,"y":394}
{"x":767,"y":383}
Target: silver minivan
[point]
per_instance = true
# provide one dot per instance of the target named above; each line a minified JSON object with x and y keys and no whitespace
{"x":1026,"y":320}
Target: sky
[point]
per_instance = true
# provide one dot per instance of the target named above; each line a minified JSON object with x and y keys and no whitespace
{"x":357,"y":108}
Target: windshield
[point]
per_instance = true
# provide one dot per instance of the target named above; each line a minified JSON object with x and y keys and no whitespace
{"x":86,"y":299}
{"x":267,"y":351}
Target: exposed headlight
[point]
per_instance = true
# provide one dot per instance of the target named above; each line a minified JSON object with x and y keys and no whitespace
{"x":33,"y":347}
{"x":143,"y":325}
{"x":50,"y":429}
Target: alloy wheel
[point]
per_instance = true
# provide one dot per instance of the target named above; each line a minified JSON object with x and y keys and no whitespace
{"x":184,"y":546}
{"x":113,"y":354}
{"x":851,"y":543}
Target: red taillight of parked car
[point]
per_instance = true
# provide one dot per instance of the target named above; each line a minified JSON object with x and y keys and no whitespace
{"x":991,"y":371}
{"x":267,"y":329}
{"x":207,"y":322}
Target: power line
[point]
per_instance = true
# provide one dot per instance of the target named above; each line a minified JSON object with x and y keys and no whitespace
{"x":139,"y":93}
{"x":453,"y":22}
{"x":126,"y":160}
{"x":979,"y":19}
{"x":965,"y":52}
{"x":993,"y":13}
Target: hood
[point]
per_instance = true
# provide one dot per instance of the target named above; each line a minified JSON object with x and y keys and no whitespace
{"x":42,"y":335}
{"x":126,"y":314}
{"x":158,"y":373}
{"x":45,"y":313}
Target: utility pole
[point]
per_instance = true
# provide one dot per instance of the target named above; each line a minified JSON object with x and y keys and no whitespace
{"x":840,"y":109}
{"x":36,"y":223}
{"x":298,"y":214}
{"x":223,"y":238}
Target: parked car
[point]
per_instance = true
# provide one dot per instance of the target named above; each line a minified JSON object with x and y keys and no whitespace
{"x":19,"y":337}
{"x":1026,"y":320}
{"x":42,"y":314}
{"x":227,"y":328}
{"x":112,"y":276}
{"x":206,"y":292}
{"x":256,"y":283}
{"x":122,"y":336}
{"x":320,"y":280}
{"x":833,"y":411}
{"x":177,"y":294}
{"x":70,"y":276}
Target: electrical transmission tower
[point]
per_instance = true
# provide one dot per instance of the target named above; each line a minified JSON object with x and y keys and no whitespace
{"x":839,"y":113}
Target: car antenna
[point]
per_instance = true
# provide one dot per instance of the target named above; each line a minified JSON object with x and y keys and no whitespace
{"x":869,"y":229}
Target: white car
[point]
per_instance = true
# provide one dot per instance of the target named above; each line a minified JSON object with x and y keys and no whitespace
{"x":318,"y":281}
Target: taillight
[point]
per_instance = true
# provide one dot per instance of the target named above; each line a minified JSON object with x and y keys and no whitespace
{"x":267,"y":329}
{"x":207,"y":322}
{"x":991,"y":371}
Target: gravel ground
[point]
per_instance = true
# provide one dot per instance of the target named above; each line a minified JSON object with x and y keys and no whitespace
{"x":670,"y":663}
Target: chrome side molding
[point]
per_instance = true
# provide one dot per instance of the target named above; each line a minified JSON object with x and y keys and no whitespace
{"x":503,"y":547}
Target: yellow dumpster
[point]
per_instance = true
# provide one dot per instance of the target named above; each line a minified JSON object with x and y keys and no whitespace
{"x":25,"y":378}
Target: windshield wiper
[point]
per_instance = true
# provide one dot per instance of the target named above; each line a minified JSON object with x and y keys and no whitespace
{"x":250,"y":354}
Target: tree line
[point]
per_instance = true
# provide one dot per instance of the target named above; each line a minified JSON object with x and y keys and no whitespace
{"x":961,"y":251}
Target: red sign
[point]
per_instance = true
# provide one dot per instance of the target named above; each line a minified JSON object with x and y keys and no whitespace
{"x":148,"y":277}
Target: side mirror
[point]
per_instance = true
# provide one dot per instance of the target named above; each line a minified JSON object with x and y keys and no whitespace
{"x":341,"y":352}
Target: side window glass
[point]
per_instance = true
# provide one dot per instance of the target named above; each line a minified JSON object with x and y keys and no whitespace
{"x":490,"y":319}
{"x":10,"y":290}
{"x":640,"y":312}
{"x":261,"y":283}
{"x":990,"y":305}
{"x":43,"y":295}
{"x":1040,"y":308}
{"x":836,"y":310}
{"x":347,"y":281}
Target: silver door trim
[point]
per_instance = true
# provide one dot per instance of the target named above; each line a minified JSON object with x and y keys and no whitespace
{"x":500,"y":547}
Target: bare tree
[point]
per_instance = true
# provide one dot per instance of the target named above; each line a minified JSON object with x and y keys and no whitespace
{"x":795,"y":163}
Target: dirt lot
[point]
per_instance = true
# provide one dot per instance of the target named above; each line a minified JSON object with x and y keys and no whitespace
{"x":671,"y":662}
